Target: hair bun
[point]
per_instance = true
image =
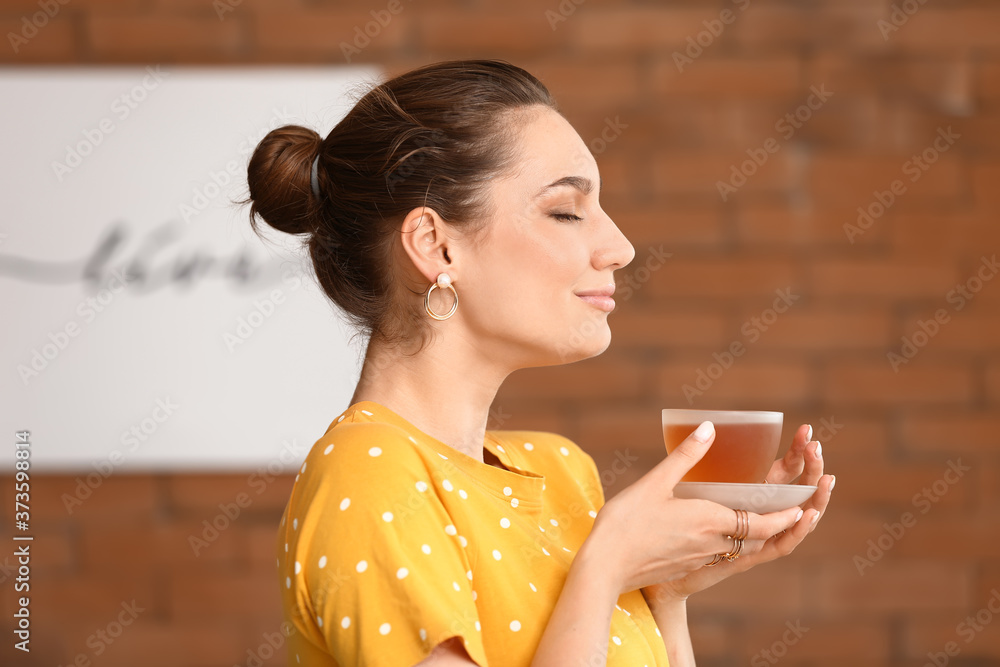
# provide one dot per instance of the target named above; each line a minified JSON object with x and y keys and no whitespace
{"x":280,"y":182}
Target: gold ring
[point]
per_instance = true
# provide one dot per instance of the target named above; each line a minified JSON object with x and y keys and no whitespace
{"x":715,"y":561}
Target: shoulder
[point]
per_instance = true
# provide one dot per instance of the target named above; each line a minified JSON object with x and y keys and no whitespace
{"x":552,"y":448}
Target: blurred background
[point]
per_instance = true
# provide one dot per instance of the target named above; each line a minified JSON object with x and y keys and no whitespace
{"x":811,"y":189}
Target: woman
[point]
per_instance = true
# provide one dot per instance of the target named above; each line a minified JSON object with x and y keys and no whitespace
{"x":453,"y":215}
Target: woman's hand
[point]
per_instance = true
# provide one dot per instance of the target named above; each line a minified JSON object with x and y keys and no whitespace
{"x":804,"y":458}
{"x":646,"y":536}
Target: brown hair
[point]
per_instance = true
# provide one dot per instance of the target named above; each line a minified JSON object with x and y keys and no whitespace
{"x":430,"y":137}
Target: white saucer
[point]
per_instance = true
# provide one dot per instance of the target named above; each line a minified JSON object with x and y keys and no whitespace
{"x":759,"y":498}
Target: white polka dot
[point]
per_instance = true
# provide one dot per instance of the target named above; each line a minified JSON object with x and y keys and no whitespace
{"x":387,"y":516}
{"x":345,"y":503}
{"x":505,"y":522}
{"x":478,"y":626}
{"x":282,"y":520}
{"x":303,"y":468}
{"x":329,"y":448}
{"x":295,"y":524}
{"x":546,"y":551}
{"x":463,"y":541}
{"x":442,"y":456}
{"x":288,"y":582}
{"x":423,"y":634}
{"x":297,"y":658}
{"x":515,"y":625}
{"x":375,"y":451}
{"x":468,"y":575}
{"x":463,"y":494}
{"x":496,"y":554}
{"x":543,"y":486}
{"x":421,"y":486}
{"x":367,"y":413}
{"x":529,"y":446}
{"x":565,"y":549}
{"x":501,"y":449}
{"x":319,"y":621}
{"x":617,"y":640}
{"x":345,"y":622}
{"x":340,"y":418}
{"x":657,"y":630}
{"x":278,"y":561}
{"x":322,"y":562}
{"x":413,"y":440}
{"x":553,"y":522}
{"x":296,"y":478}
{"x":541,"y":529}
{"x":298,"y":567}
{"x":384,"y":629}
{"x":401,"y":573}
{"x":532,"y":587}
{"x":507,"y":490}
{"x":286,"y":547}
{"x":426,"y":548}
{"x":565,"y":452}
{"x":455,"y":585}
{"x":447,"y":485}
{"x":450,"y":529}
{"x":514,"y":502}
{"x":593,"y":514}
{"x":361,"y":566}
{"x":474,"y":595}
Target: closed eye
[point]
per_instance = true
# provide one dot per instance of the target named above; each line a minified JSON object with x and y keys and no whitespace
{"x":567,"y":217}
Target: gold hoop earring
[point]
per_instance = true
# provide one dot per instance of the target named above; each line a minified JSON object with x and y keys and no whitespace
{"x":443,"y":282}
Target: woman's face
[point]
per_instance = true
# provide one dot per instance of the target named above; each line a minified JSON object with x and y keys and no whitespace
{"x":535,"y":286}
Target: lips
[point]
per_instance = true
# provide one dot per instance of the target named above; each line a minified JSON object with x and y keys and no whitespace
{"x":599,"y":298}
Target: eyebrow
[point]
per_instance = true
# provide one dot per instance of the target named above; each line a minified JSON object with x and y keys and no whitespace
{"x":584,"y":185}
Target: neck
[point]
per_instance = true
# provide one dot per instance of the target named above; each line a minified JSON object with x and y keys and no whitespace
{"x":445,"y":390}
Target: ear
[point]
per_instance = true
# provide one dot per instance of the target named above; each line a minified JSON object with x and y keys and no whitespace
{"x":424,"y":239}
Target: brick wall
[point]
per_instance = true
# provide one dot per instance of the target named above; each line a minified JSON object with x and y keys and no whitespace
{"x":669,"y":119}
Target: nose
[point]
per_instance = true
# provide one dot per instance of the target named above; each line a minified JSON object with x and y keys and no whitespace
{"x":613,"y":250}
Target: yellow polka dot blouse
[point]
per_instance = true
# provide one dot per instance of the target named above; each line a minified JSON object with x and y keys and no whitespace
{"x":393,"y":542}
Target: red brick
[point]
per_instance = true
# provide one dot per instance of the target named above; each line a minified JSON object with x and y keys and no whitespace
{"x":163,"y":546}
{"x":747,"y":385}
{"x":988,"y":79}
{"x":709,"y":637}
{"x":671,"y":224}
{"x":900,"y":586}
{"x":767,"y":589}
{"x":993,"y":382}
{"x":883,"y":278}
{"x":822,"y":640}
{"x":985,"y":175}
{"x":793,"y":229}
{"x":816,"y":329}
{"x":913,"y":488}
{"x":602,"y":86}
{"x":704,"y":173}
{"x":59,"y":498}
{"x":507,"y":34}
{"x":965,"y":432}
{"x":723,"y":278}
{"x":632,"y":29}
{"x":202,"y":644}
{"x":54,"y":42}
{"x":712,"y":76}
{"x":200,"y":495}
{"x":223,"y":592}
{"x":931,"y":635}
{"x":836,"y":535}
{"x":124,"y":38}
{"x":937,"y":238}
{"x":643,"y":325}
{"x":943,"y":534}
{"x":589,"y":379}
{"x":875,"y":383}
{"x":854,"y":180}
{"x":330,"y":33}
{"x":62,"y":599}
{"x":947,"y":30}
{"x":784,"y":29}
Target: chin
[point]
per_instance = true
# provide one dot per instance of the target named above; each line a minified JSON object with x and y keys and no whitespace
{"x":580,"y":348}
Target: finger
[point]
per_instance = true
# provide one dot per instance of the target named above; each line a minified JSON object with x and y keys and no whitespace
{"x":791,"y":465}
{"x":819,"y":500}
{"x":759,"y":526}
{"x":781,"y":544}
{"x":687,"y":454}
{"x":813,"y":464}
